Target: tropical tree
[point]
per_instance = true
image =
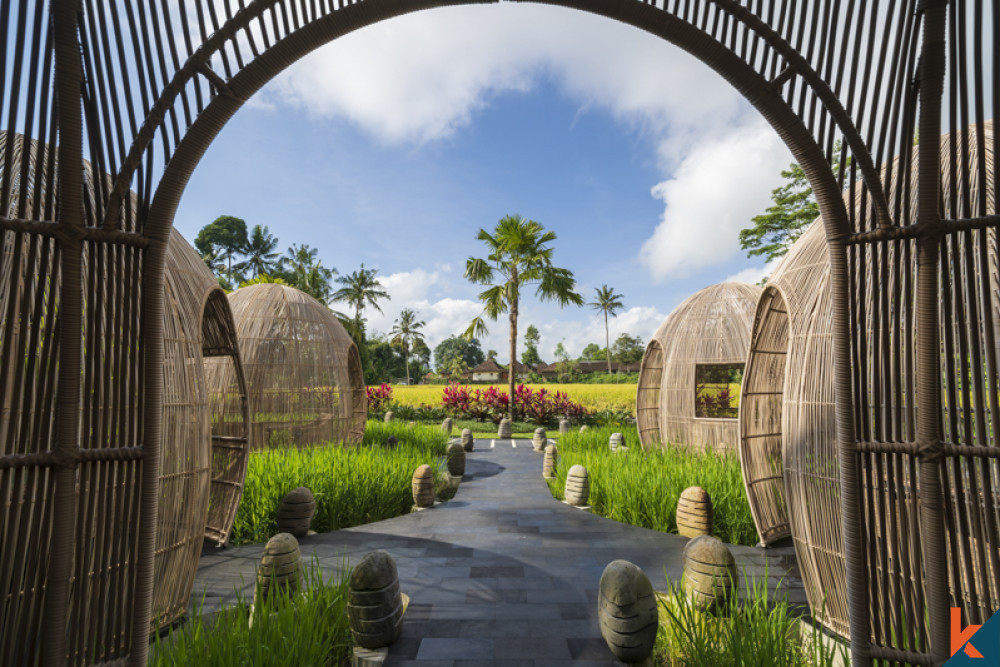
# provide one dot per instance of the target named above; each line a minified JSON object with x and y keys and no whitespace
{"x":457,"y":347}
{"x":260,"y":252}
{"x":360,"y":288}
{"x":404,"y":331}
{"x":608,"y":303}
{"x":519,"y":255}
{"x":223,"y":239}
{"x":531,"y":340}
{"x":627,"y":349}
{"x":302,"y":269}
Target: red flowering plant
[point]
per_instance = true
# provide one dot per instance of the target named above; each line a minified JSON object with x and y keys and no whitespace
{"x":540,"y":406}
{"x":379,"y":397}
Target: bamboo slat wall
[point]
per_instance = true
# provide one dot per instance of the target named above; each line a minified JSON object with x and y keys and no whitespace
{"x":647,"y":395}
{"x":142,"y":89}
{"x":203,"y":301}
{"x":791,"y":363}
{"x":710,"y":327}
{"x":302,"y":369}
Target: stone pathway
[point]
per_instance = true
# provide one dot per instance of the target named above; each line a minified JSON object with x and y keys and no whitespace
{"x":503,"y":574}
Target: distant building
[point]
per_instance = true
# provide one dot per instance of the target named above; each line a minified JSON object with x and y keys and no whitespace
{"x":549,"y":371}
{"x":490,"y":371}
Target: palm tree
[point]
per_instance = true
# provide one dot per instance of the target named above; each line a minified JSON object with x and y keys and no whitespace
{"x":405,"y":330}
{"x":304,"y":270}
{"x":259,"y":251}
{"x":360,"y":288}
{"x":610,"y":303}
{"x":519,"y":255}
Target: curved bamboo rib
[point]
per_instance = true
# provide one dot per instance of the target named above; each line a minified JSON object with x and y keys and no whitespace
{"x":710,"y":327}
{"x":303,"y":374}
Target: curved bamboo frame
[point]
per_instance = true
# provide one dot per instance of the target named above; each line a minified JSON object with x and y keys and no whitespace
{"x":710,"y":327}
{"x":812,"y":69}
{"x":647,"y":395}
{"x":302,"y":368}
{"x":204,"y":302}
{"x":792,"y":358}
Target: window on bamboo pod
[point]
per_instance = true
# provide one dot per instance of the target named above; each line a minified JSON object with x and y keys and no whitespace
{"x":717,"y":391}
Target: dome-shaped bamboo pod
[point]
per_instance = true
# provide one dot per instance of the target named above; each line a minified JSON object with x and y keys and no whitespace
{"x":788,"y":420}
{"x":303,"y":369}
{"x":709,"y":331}
{"x":185,"y":455}
{"x":202,"y":300}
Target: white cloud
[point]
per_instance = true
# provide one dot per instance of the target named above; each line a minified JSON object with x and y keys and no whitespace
{"x":753,"y":274}
{"x":723,"y":182}
{"x":575,"y":335}
{"x":418,"y":77}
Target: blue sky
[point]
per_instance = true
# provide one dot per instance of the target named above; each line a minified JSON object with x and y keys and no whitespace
{"x":395,"y":144}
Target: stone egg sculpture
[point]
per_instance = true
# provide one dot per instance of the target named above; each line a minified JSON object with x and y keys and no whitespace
{"x":539,"y":440}
{"x":584,"y":428}
{"x":577,"y":486}
{"x":550,"y":461}
{"x":563,"y":426}
{"x":374,"y":603}
{"x":615,"y":441}
{"x":280,"y":566}
{"x":694,"y":512}
{"x":626,"y":611}
{"x":391,"y":442}
{"x":456,"y":460}
{"x":388,"y":417}
{"x":468,"y":442}
{"x":506,"y":430}
{"x":296,"y":511}
{"x":710,"y":575}
{"x":446,"y":425}
{"x":411,"y":424}
{"x":423,"y":486}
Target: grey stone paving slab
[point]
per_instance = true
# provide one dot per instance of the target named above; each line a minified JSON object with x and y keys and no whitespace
{"x":503,"y":574}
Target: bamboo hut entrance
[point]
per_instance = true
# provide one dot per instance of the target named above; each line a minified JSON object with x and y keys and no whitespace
{"x":761,"y":434}
{"x":229,"y":411}
{"x":359,"y":396}
{"x":647,"y":403}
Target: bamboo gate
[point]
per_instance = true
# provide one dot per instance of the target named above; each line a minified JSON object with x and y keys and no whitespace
{"x":141,"y":89}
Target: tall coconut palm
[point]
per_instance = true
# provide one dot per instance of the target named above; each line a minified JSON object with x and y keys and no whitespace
{"x":360,"y":288}
{"x":304,"y":271}
{"x":405,"y":330}
{"x":260,"y":255}
{"x":609,"y":303}
{"x":519,"y":255}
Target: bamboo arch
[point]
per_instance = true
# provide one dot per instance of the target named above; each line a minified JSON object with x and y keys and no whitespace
{"x":147,"y":104}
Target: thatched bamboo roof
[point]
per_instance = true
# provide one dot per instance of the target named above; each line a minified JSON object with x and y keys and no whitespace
{"x":710,"y":328}
{"x":302,"y":368}
{"x":788,"y":428}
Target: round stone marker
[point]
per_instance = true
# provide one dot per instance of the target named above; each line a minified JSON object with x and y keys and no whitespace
{"x":615,"y":441}
{"x":563,"y":426}
{"x":411,"y":424}
{"x":446,"y":425}
{"x":456,"y":460}
{"x":280,"y":566}
{"x":295,"y":512}
{"x":584,"y":428}
{"x":388,"y":417}
{"x":694,"y":512}
{"x":423,"y":486}
{"x":626,"y":611}
{"x":538,"y":442}
{"x":710,"y":575}
{"x":468,"y":442}
{"x":577,"y":486}
{"x":505,"y":430}
{"x":391,"y":442}
{"x":550,"y":461}
{"x":374,"y":604}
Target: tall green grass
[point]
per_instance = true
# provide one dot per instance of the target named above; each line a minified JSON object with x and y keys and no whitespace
{"x":642,"y":488}
{"x":352,"y":485}
{"x":305,"y":628}
{"x":758,"y":630}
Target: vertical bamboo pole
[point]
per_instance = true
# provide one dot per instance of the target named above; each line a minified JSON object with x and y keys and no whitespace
{"x":928,"y":332}
{"x":68,"y":74}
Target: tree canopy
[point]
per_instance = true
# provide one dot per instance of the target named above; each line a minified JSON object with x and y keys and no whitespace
{"x":405,"y":330}
{"x":627,"y":349}
{"x":360,"y":289}
{"x":794,"y":208}
{"x":458,"y":348}
{"x":222,"y":239}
